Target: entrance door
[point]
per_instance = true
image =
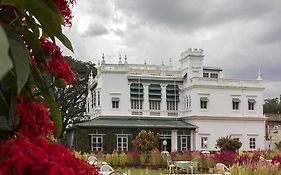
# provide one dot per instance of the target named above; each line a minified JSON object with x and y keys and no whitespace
{"x":166,"y":147}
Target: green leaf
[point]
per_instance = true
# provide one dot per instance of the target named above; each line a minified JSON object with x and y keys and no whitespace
{"x":4,"y":126}
{"x":51,"y":103}
{"x":5,"y":60}
{"x":20,"y":57}
{"x":50,"y":18}
{"x":19,"y":4}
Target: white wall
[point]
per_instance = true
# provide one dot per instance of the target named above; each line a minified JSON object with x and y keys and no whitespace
{"x":220,"y":102}
{"x":115,"y":85}
{"x":214,"y":129}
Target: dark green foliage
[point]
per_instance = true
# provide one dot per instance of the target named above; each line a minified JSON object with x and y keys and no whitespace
{"x":228,"y":144}
{"x":272,"y":106}
{"x":72,"y":99}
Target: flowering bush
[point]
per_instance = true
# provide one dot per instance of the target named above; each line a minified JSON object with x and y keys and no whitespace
{"x":145,"y":141}
{"x":226,"y":157}
{"x":37,"y":156}
{"x":31,"y":64}
{"x":228,"y":144}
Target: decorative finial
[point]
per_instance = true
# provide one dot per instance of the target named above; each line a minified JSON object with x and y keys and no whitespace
{"x":170,"y":61}
{"x":259,"y":75}
{"x":91,"y":78}
{"x":98,"y":62}
{"x":162,"y":63}
{"x":103,"y":59}
{"x":144,"y":62}
{"x":125,"y":62}
{"x":120,"y":62}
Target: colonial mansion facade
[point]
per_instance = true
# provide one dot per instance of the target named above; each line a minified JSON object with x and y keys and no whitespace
{"x":190,"y":107}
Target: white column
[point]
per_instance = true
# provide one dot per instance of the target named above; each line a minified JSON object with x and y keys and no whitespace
{"x":193,"y":140}
{"x":163,"y":101}
{"x":174,"y":140}
{"x":145,"y":99}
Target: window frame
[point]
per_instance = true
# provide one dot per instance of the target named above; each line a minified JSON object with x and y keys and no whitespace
{"x":154,"y":105}
{"x":204,"y":138}
{"x":252,"y":142}
{"x":95,"y":137}
{"x":122,"y":137}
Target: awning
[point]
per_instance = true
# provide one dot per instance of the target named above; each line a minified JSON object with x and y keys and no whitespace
{"x":236,"y":100}
{"x":115,"y":99}
{"x":250,"y":100}
{"x":136,"y":123}
{"x":204,"y":99}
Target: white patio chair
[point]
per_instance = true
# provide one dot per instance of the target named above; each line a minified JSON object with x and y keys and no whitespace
{"x":171,"y":166}
{"x":92,"y":160}
{"x":116,"y":173}
{"x":106,"y":169}
{"x":265,"y":160}
{"x":222,"y":168}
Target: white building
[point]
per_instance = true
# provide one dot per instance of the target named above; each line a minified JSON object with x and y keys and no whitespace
{"x":191,"y":107}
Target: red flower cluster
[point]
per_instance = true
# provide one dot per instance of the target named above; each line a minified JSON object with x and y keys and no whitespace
{"x":227,"y":157}
{"x":36,"y":156}
{"x":58,"y":64}
{"x":34,"y":118}
{"x":64,"y":7}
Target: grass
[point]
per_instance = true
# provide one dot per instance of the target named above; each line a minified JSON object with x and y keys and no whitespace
{"x":142,"y":171}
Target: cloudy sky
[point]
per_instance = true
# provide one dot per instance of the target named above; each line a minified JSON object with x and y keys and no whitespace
{"x":236,"y":35}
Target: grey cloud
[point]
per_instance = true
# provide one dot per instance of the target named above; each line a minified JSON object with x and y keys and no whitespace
{"x":96,"y":30}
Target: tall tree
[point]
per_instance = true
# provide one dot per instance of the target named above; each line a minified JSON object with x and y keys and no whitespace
{"x":272,"y":106}
{"x":72,"y":98}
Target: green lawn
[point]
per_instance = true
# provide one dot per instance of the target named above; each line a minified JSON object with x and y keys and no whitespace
{"x":142,"y":171}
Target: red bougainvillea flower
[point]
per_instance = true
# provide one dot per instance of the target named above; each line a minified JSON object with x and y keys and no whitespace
{"x":36,"y":156}
{"x":64,"y":7}
{"x":34,"y":118}
{"x":58,"y":65}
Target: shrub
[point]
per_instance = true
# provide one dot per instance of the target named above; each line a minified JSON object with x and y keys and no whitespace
{"x":145,"y":141}
{"x":226,"y":157}
{"x":123,"y":159}
{"x":142,"y":159}
{"x":228,"y":144}
{"x":115,"y":159}
{"x":132,"y":158}
{"x":155,"y":158}
{"x":108,"y":158}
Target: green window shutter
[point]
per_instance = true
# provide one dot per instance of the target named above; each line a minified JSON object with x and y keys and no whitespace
{"x":204,"y":99}
{"x":250,"y":100}
{"x":236,"y":100}
{"x":136,"y":91}
{"x":115,"y":99}
{"x":154,"y":92}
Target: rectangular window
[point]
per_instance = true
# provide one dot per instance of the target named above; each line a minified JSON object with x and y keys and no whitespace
{"x":252,"y":143}
{"x":172,"y":105}
{"x":251,"y":104}
{"x":122,"y":142}
{"x":136,"y":104}
{"x":206,"y":75}
{"x":183,"y":142}
{"x":203,"y":104}
{"x":204,"y":142}
{"x":98,"y":98}
{"x":97,"y":142}
{"x":154,"y":105}
{"x":115,"y":104}
{"x":214,"y":75}
{"x":235,"y":105}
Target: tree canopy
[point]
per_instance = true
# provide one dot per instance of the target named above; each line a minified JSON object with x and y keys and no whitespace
{"x":72,"y":98}
{"x":272,"y":106}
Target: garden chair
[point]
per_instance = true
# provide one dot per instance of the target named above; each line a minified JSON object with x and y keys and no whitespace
{"x":106,"y":170}
{"x":92,"y":160}
{"x":116,"y":173}
{"x":265,"y":160}
{"x":222,"y":168}
{"x":170,"y":165}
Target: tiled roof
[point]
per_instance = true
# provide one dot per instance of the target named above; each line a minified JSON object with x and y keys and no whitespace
{"x":135,"y":122}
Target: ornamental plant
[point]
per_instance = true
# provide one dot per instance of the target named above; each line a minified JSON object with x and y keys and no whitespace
{"x":31,"y":65}
{"x":145,"y":141}
{"x":228,"y":143}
